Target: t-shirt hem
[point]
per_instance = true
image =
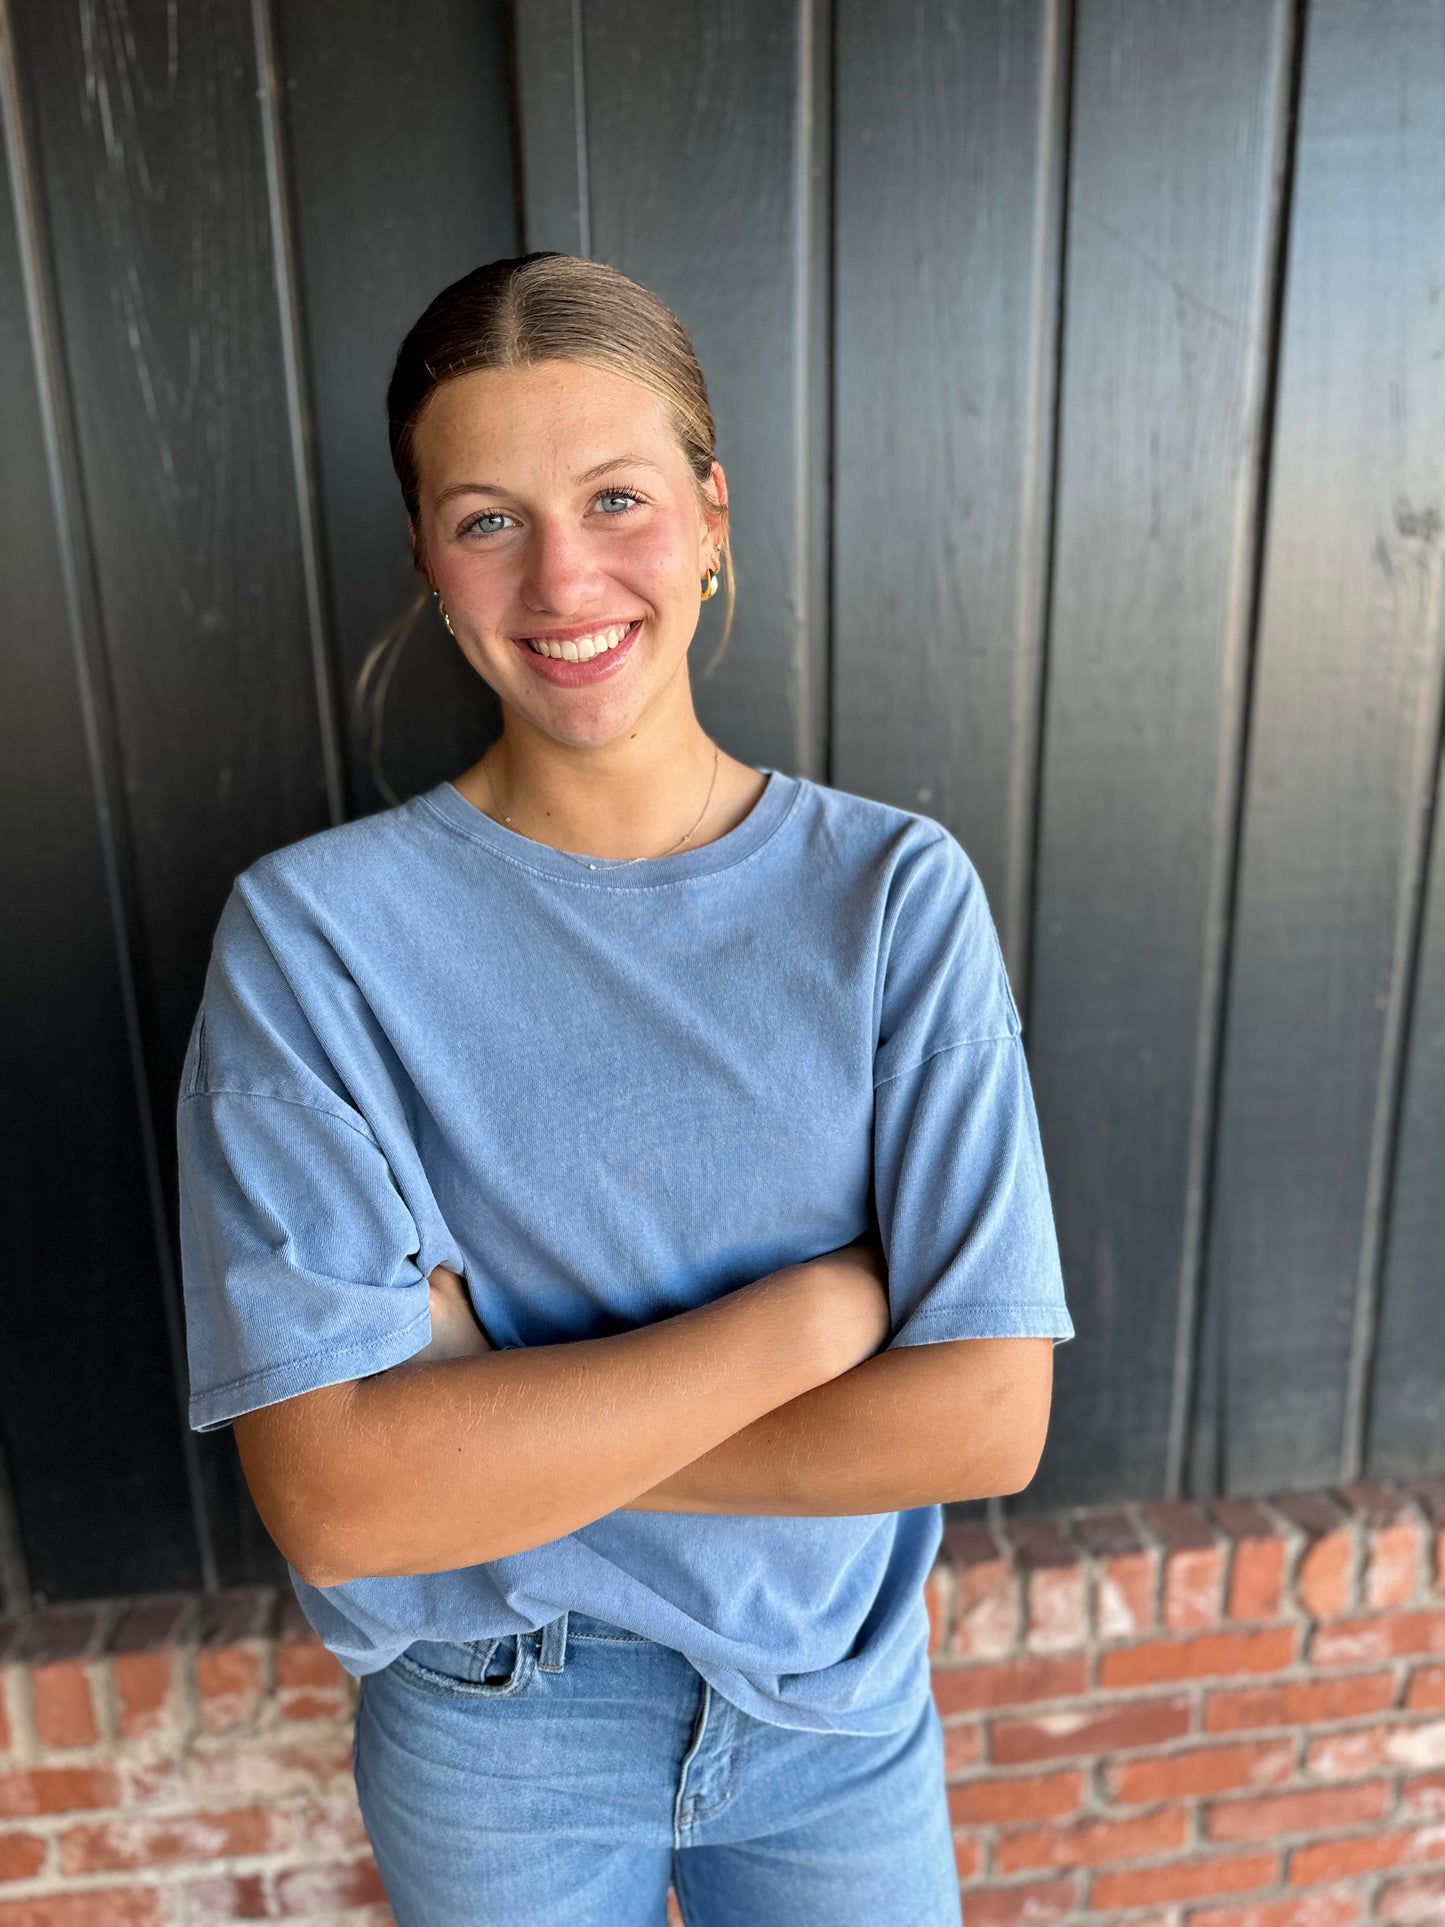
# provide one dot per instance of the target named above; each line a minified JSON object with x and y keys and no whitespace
{"x":1036,"y":1318}
{"x":219,"y":1404}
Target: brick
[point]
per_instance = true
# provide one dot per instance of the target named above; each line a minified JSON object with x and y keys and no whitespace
{"x":134,"y":1842}
{"x":1194,"y":1558}
{"x":1265,"y":1649}
{"x":144,"y":1692}
{"x":1364,"y":1853}
{"x":141,"y":1654}
{"x":320,"y":1890}
{"x":1423,"y":1797}
{"x":1197,"y":1770}
{"x":1417,"y":1745}
{"x":62,"y":1705}
{"x":1033,"y":1904}
{"x":55,"y":1649}
{"x":22,"y":1855}
{"x":938,"y":1599}
{"x":1395,"y":1542}
{"x":1408,"y":1901}
{"x":1357,"y":1641}
{"x":1009,"y":1682}
{"x":1349,"y":1755}
{"x":1317,"y":1810}
{"x":1001,"y":1800}
{"x":1124,"y":1572}
{"x":57,"y":1789}
{"x":1325,"y":1575}
{"x":1259,"y":1557}
{"x":1298,"y":1703}
{"x":1339,"y":1907}
{"x":1055,"y":1592}
{"x":151,"y":1623}
{"x":967,"y":1856}
{"x":1177,"y":1880}
{"x":1425,"y":1690}
{"x":985,"y":1592}
{"x":1429,"y":1495}
{"x":230,"y":1664}
{"x":230,"y":1686}
{"x":1019,"y":1742}
{"x":97,"y":1907}
{"x":1091,"y":1842}
{"x":962,"y":1747}
{"x":331,"y":1826}
{"x":224,"y":1899}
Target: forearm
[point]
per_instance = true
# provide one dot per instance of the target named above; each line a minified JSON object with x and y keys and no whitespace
{"x":453,"y":1461}
{"x":917,"y":1426}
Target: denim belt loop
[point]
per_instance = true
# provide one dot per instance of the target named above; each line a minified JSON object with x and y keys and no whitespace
{"x":553,"y":1646}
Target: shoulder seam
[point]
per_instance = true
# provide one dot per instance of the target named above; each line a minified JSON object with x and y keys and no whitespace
{"x":959,"y":1043}
{"x":362,"y":1130}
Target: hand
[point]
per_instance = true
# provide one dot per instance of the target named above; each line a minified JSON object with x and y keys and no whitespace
{"x":852,"y":1284}
{"x":456,"y":1331}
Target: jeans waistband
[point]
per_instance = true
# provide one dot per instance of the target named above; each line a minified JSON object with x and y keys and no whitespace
{"x":484,"y":1660}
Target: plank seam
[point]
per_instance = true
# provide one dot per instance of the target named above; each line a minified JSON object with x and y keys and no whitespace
{"x":1203,"y":1307}
{"x":299,"y":412}
{"x":85,"y":624}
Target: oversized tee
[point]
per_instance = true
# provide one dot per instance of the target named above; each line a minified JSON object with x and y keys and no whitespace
{"x":604,"y":1093}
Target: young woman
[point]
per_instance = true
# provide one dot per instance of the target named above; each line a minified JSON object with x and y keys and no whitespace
{"x":542,"y":1139}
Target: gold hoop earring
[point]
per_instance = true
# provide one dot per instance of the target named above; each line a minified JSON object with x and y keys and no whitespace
{"x":709,"y":585}
{"x":442,"y":607}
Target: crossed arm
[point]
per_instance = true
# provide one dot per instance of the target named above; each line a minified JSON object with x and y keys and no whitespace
{"x":774,"y":1399}
{"x":910,"y":1427}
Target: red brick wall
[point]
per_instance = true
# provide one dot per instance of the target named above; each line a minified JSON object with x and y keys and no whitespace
{"x":1229,"y":1715}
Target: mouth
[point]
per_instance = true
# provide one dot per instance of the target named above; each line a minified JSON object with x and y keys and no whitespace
{"x":583,"y":648}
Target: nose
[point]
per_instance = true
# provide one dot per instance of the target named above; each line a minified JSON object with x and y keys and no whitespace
{"x":557,"y":573}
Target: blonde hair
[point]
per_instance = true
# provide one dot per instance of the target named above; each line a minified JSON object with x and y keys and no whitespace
{"x":512,"y":313}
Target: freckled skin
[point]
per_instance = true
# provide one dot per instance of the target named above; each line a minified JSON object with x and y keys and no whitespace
{"x":621,"y":767}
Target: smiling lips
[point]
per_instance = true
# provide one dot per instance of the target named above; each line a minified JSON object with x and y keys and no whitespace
{"x":580,"y":648}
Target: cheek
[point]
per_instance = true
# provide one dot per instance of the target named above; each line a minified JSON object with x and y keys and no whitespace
{"x":657,"y":555}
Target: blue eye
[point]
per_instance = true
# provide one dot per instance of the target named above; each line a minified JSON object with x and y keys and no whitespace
{"x":628,"y":495}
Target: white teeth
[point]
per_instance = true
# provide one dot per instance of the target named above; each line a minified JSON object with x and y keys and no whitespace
{"x":584,"y":648}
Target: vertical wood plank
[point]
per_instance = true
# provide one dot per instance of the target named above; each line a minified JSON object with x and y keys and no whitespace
{"x":1344,"y":740}
{"x":150,"y":139}
{"x":551,"y":86}
{"x":705,"y":134}
{"x":1403,"y":1424}
{"x":94,"y":1454}
{"x":399,"y":139}
{"x":949,"y":155}
{"x":1178,"y":125}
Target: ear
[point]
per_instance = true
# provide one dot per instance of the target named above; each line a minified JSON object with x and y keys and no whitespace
{"x":715,"y":490}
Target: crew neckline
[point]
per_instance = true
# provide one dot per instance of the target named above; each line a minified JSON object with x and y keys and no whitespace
{"x":767,"y":814}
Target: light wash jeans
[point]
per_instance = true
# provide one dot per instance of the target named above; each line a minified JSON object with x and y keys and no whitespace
{"x":561,"y":1778}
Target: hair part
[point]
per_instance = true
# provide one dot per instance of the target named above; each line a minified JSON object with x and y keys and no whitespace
{"x":514,"y":313}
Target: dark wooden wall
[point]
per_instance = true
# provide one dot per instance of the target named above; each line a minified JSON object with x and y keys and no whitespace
{"x":1080,"y":372}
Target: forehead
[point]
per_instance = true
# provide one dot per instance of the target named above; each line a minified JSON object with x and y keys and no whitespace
{"x":554,"y":418}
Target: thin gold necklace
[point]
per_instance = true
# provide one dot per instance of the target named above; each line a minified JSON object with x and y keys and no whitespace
{"x":609,"y":863}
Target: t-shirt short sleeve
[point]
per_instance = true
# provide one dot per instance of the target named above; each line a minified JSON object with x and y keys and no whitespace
{"x":298,"y":1252}
{"x":961,"y":1190}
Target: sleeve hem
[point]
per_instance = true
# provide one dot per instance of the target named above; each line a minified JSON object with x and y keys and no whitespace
{"x":1041,"y":1318}
{"x":219,"y":1404}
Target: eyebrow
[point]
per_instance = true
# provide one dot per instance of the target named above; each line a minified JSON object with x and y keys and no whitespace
{"x":587,"y":475}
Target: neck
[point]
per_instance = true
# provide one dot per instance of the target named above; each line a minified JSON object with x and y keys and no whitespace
{"x":634,"y":797}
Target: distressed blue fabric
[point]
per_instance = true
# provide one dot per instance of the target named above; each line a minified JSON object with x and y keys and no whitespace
{"x":605,"y":1095}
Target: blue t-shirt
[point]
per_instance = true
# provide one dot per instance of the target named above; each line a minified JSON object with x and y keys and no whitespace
{"x":605,"y":1094}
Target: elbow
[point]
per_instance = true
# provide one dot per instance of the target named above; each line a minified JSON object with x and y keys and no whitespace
{"x":321,"y":1506}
